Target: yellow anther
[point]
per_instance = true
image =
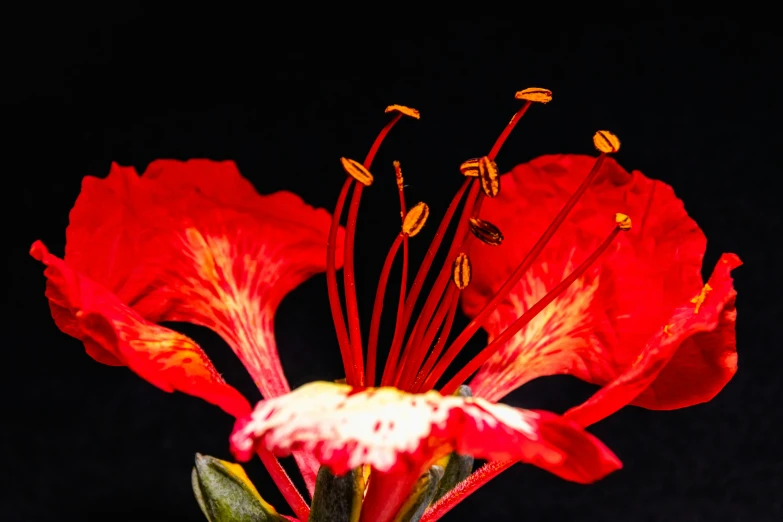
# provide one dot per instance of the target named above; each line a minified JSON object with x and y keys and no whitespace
{"x":461,"y":271}
{"x":407,"y":111}
{"x":489,"y":176}
{"x":415,"y":219}
{"x":398,"y":175}
{"x":485,"y":231}
{"x":357,"y":171}
{"x":470,"y":168}
{"x":667,"y":329}
{"x":623,"y":221}
{"x":606,"y":142}
{"x":534,"y":94}
{"x":699,"y":299}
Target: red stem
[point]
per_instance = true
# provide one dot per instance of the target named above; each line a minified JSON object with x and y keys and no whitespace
{"x":412,"y":369}
{"x":372,"y":343}
{"x":349,"y":281}
{"x":443,"y":277}
{"x":391,"y":363}
{"x":349,"y":276}
{"x":331,"y":285}
{"x":468,"y":486}
{"x":503,"y":135}
{"x":284,"y":484}
{"x":444,"y":335}
{"x":404,"y":276}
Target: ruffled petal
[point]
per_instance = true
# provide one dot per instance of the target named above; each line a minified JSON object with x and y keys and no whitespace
{"x":397,"y":432}
{"x":688,"y":361}
{"x":193,"y":241}
{"x":114,"y":334}
{"x":598,"y":327}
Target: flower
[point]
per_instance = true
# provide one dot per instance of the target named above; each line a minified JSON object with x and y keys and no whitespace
{"x":549,"y":265}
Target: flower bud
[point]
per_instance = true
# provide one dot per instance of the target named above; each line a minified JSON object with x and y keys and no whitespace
{"x":225,"y":494}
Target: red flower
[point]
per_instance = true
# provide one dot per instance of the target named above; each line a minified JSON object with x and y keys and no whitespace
{"x":194,"y":242}
{"x":640,"y":321}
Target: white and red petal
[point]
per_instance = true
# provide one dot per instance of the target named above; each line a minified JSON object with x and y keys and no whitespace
{"x":115,"y":334}
{"x":397,"y":432}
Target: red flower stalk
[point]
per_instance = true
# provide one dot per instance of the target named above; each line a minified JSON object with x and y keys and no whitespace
{"x":540,"y":264}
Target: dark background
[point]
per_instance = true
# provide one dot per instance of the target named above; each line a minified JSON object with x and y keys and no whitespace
{"x":693,"y":99}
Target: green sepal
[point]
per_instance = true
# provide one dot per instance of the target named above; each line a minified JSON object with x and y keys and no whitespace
{"x":457,"y":467}
{"x":421,"y":496}
{"x":337,"y":499}
{"x":225,"y":494}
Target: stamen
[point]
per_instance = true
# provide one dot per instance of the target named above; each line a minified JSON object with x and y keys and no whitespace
{"x":412,"y":366}
{"x":463,"y":338}
{"x":412,"y":224}
{"x":623,"y":221}
{"x":461,"y":272}
{"x":331,"y":286}
{"x":485,"y":231}
{"x":489,"y":176}
{"x":349,"y":277}
{"x":606,"y":142}
{"x":404,"y":278}
{"x":349,"y":282}
{"x":375,"y":323}
{"x":402,"y":109}
{"x":534,"y":94}
{"x":393,"y":371}
{"x":517,"y":325}
{"x":444,"y":336}
{"x":415,"y":219}
{"x":418,"y":282}
{"x":400,"y":187}
{"x":470,"y":168}
{"x":440,"y":283}
{"x":357,"y":171}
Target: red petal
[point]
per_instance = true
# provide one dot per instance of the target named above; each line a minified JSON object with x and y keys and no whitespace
{"x":597,"y":328}
{"x":193,"y":241}
{"x":395,"y":431}
{"x":692,"y":357}
{"x":114,"y":334}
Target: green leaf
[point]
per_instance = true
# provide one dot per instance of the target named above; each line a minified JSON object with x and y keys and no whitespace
{"x":225,"y":494}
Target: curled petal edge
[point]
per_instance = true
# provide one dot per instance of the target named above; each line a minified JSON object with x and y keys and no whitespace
{"x":114,"y":334}
{"x":713,"y":314}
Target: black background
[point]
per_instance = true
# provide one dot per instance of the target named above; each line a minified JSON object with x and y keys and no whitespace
{"x":693,"y":100}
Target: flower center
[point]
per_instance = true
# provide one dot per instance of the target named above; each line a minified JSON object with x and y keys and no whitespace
{"x":411,"y":365}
